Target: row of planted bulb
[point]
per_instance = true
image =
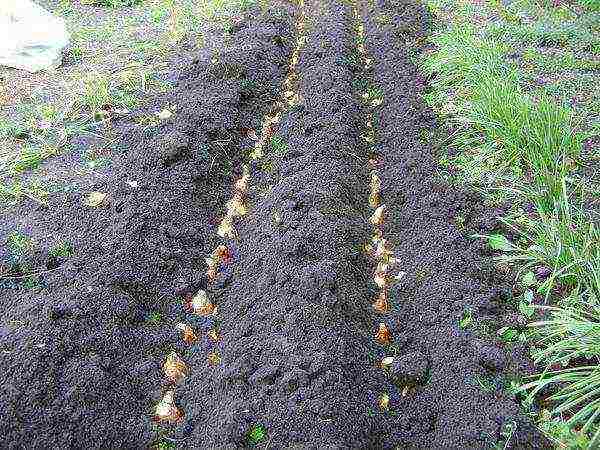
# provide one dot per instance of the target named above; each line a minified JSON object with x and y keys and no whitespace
{"x":174,"y":368}
{"x":378,"y":248}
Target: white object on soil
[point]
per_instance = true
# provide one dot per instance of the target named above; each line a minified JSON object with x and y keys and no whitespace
{"x":30,"y":37}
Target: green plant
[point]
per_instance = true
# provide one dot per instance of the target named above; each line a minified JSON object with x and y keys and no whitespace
{"x":62,"y":250}
{"x":522,"y":144}
{"x":96,"y":93}
{"x":19,"y":243}
{"x":30,"y":157}
{"x":570,"y":349}
{"x":256,"y":434}
{"x":466,"y":319}
{"x":277,"y":144}
{"x":154,"y":318}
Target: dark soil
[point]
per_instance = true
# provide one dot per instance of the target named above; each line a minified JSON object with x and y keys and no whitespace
{"x":295,"y":323}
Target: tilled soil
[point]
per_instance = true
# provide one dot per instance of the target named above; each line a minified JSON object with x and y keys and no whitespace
{"x":296,"y":350}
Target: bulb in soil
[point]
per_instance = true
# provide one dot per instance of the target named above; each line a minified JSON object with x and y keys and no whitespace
{"x":165,"y":114}
{"x":214,"y":359}
{"x":174,"y":368}
{"x":384,"y":401}
{"x":380,"y":277}
{"x":222,"y":253}
{"x":211,"y":271}
{"x":387,"y":361}
{"x":236,"y":207}
{"x":382,"y":253}
{"x":95,"y":199}
{"x":399,"y":276}
{"x":189,"y":337}
{"x":252,"y":134}
{"x":166,"y":411}
{"x":213,"y":335}
{"x":381,"y":304}
{"x":201,"y":305}
{"x":377,"y":217}
{"x":383,"y":335}
{"x":225,"y":229}
{"x":375,"y":188}
{"x":241,"y":185}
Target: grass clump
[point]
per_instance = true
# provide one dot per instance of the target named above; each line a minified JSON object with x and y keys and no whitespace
{"x":19,"y":243}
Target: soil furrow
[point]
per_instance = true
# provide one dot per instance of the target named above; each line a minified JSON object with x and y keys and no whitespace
{"x":200,"y":303}
{"x":447,"y":276}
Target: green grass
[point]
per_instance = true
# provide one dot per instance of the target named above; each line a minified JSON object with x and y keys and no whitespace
{"x":570,"y":351}
{"x":29,"y":158}
{"x":19,"y":243}
{"x":524,"y":144}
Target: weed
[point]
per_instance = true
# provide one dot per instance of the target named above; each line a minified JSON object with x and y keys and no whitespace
{"x":16,"y":191}
{"x":562,"y":434}
{"x":165,"y":445}
{"x":466,"y":319}
{"x":31,"y":157}
{"x":154,"y":318}
{"x":506,"y":433}
{"x":507,"y":334}
{"x":257,"y":434}
{"x":96,"y":94}
{"x":570,"y":335}
{"x":19,"y":243}
{"x":277,"y":144}
{"x":460,"y":221}
{"x":485,"y":384}
{"x":62,"y":250}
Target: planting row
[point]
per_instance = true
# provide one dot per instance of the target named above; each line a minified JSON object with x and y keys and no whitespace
{"x":447,"y":279}
{"x":199,"y":306}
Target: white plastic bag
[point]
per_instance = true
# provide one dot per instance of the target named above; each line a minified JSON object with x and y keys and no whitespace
{"x":30,"y":37}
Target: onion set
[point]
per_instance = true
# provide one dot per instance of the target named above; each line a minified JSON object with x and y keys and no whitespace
{"x":166,"y":411}
{"x":189,"y":337}
{"x":201,"y":305}
{"x":383,"y":335}
{"x":174,"y":368}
